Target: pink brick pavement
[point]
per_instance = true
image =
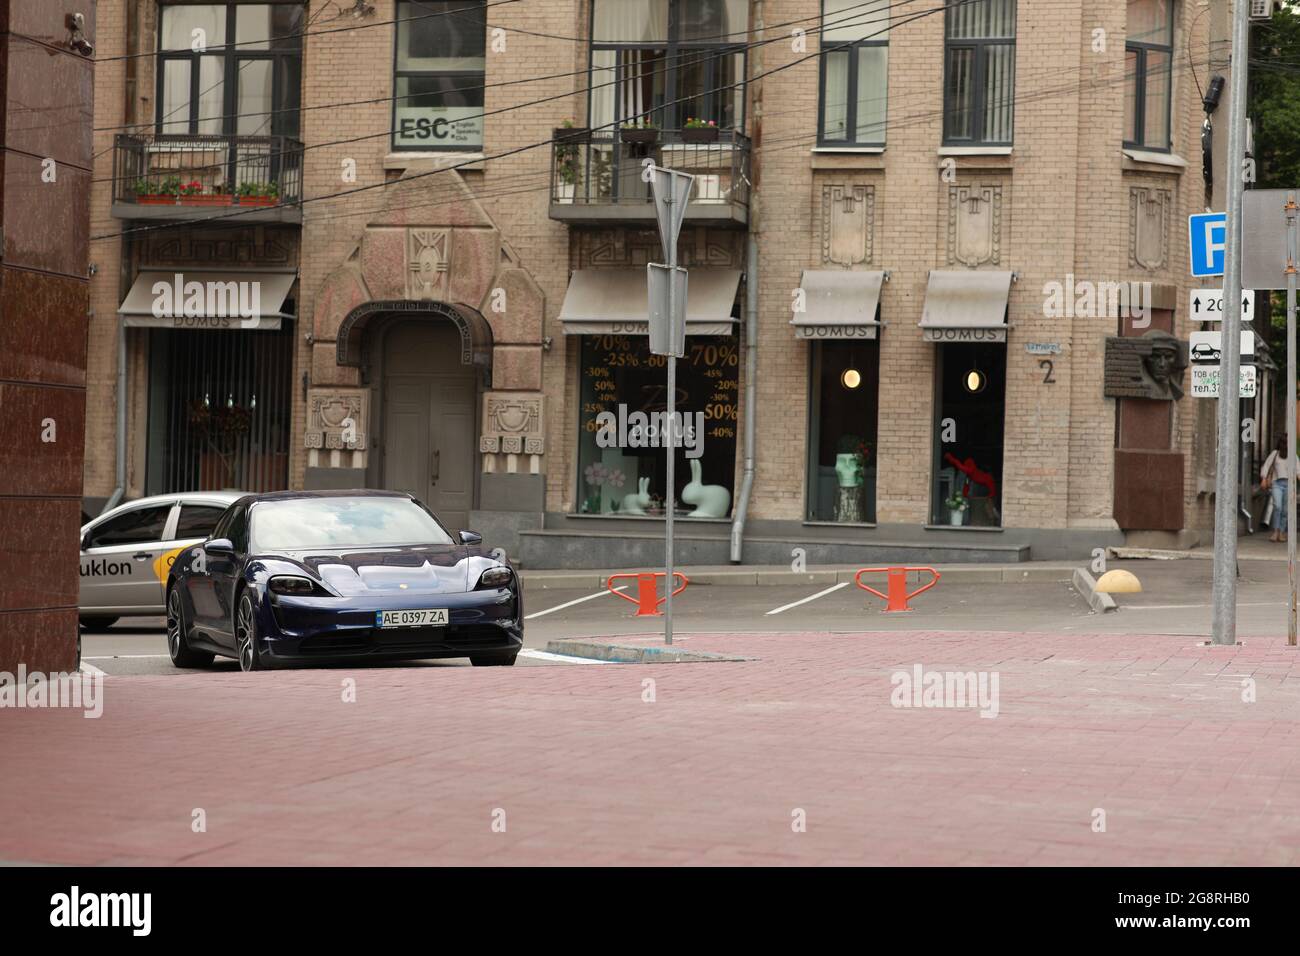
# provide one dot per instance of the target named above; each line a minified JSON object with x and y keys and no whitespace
{"x":1152,"y":730}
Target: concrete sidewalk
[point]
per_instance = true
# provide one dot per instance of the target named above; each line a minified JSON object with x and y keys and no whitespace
{"x":750,"y":575}
{"x":714,"y":763}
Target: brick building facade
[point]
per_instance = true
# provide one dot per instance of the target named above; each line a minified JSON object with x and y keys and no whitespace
{"x":886,"y":215}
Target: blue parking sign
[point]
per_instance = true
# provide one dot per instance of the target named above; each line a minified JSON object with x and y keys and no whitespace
{"x":1208,"y":235}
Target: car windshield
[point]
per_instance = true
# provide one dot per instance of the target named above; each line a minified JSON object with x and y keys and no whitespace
{"x":301,"y":524}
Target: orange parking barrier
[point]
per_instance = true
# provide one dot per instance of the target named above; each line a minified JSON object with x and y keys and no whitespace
{"x":647,"y":599}
{"x":897,"y":598}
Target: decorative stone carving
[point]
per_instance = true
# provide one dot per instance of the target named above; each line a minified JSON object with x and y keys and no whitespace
{"x":1148,"y":221}
{"x":848,"y":224}
{"x":633,"y":247}
{"x":512,"y":421}
{"x":260,"y":246}
{"x":428,"y":254}
{"x":974,"y":225}
{"x":337,"y":418}
{"x":1150,"y":366}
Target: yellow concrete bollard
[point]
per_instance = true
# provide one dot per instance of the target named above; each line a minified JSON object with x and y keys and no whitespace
{"x":1119,"y":581}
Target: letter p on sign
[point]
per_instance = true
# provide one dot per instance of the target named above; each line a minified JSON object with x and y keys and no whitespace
{"x":1208,"y":239}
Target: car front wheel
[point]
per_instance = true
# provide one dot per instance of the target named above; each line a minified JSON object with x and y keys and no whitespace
{"x":178,"y":636}
{"x":246,"y":641}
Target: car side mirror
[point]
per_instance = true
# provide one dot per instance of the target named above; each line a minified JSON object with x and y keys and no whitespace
{"x":221,"y":547}
{"x":471,"y":537}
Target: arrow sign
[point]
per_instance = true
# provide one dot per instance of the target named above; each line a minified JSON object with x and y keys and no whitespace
{"x":1206,"y":305}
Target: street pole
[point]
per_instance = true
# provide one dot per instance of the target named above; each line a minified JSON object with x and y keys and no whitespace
{"x":1224,"y":589}
{"x":670,"y":493}
{"x":1290,"y":412}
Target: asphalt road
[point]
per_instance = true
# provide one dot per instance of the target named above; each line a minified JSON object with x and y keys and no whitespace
{"x":1175,"y":601}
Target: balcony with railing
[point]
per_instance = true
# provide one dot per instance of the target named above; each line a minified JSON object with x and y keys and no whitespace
{"x":183,"y":177}
{"x":596,"y":175}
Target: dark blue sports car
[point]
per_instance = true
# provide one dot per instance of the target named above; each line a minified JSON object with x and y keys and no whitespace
{"x":339,"y":575}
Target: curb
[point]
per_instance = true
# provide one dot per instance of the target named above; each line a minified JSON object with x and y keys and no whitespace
{"x":760,"y":577}
{"x":1086,"y":585}
{"x":596,"y":649}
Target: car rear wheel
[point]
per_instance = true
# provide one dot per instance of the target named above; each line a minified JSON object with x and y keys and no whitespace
{"x":494,"y":661}
{"x":178,"y":635}
{"x":98,"y":623}
{"x":246,"y":642}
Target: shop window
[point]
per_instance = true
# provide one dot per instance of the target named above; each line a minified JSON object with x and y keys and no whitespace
{"x":439,"y":76}
{"x":970,"y":404}
{"x":623,"y":470}
{"x":845,"y":383}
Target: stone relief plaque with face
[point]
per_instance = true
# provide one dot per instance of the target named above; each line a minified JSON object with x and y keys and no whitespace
{"x":1151,"y":366}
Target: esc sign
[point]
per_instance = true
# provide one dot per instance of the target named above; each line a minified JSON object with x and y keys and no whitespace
{"x":1207,"y":235}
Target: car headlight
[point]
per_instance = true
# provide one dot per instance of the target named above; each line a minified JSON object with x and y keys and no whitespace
{"x":495,"y":578}
{"x":294,"y":585}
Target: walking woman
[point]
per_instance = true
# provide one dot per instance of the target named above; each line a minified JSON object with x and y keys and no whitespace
{"x":1275,"y":477}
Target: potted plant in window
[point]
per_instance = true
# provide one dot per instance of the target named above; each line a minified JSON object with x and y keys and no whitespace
{"x":258,"y":194}
{"x":642,"y":132}
{"x":162,"y":193}
{"x":566,"y":161}
{"x":697,"y":130}
{"x":957,"y":505}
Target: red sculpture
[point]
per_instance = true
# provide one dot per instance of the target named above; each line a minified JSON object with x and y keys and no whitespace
{"x":972,"y":473}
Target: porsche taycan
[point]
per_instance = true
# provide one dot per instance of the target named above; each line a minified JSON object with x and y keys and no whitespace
{"x":292,"y":577}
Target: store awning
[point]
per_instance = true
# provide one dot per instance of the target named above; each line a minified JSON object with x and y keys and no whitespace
{"x":615,"y":302}
{"x":966,"y":306}
{"x":838,"y":304}
{"x":206,"y":299}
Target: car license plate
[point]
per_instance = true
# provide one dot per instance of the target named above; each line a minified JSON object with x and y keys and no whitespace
{"x":425,"y":617}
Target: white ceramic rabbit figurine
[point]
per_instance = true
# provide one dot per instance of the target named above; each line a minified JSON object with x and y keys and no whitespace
{"x":637,"y":502}
{"x":711,"y":501}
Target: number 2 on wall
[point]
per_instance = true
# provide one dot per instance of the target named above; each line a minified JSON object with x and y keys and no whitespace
{"x":1046,"y":364}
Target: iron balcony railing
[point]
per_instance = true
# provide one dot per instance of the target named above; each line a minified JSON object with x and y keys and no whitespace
{"x":598,"y":174}
{"x":177,"y":175}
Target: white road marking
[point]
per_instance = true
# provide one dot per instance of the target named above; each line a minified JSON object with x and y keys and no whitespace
{"x":561,"y":607}
{"x":124,"y":657}
{"x":91,"y":668}
{"x":830,"y":590}
{"x":559,"y":658}
{"x":1186,"y":607}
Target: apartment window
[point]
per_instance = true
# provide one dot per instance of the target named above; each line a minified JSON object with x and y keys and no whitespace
{"x":230,"y":69}
{"x":440,"y":62}
{"x":648,"y":54}
{"x":980,"y":72}
{"x":855,"y":68}
{"x":1148,"y":66}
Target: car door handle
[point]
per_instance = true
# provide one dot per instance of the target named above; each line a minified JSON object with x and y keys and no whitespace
{"x":142,"y":555}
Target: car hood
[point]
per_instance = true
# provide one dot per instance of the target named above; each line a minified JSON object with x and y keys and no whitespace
{"x":420,"y":568}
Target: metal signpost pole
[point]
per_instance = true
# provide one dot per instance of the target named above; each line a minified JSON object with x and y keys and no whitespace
{"x":1225,"y":499}
{"x":671,"y":191}
{"x":1290,"y":411}
{"x":670,"y":496}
